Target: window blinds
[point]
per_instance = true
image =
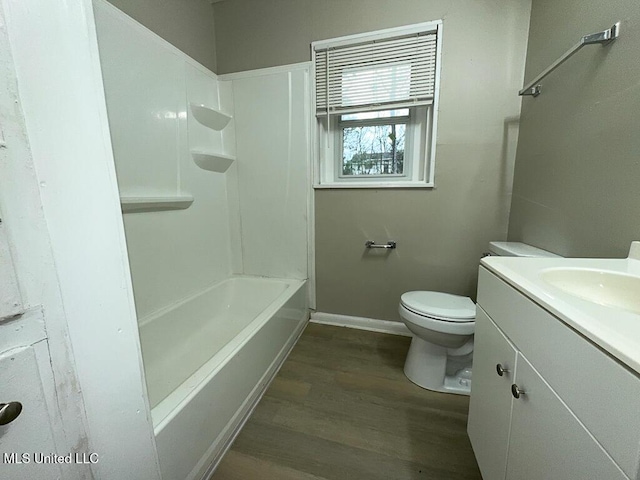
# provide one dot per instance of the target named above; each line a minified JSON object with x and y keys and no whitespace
{"x":387,"y":73}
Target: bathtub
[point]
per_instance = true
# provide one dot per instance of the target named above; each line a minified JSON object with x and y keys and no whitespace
{"x":207,"y":361}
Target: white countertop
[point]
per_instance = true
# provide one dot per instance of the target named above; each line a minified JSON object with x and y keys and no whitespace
{"x":615,"y":331}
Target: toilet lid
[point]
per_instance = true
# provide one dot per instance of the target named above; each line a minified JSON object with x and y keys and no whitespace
{"x":453,"y":308}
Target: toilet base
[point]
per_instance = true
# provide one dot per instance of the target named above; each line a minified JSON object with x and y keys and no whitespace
{"x":426,"y":366}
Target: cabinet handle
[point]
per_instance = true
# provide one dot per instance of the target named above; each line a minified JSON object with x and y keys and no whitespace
{"x":501,"y":370}
{"x":516,"y":392}
{"x":9,"y":412}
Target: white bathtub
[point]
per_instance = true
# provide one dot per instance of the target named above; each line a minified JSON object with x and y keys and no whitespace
{"x":208,"y":360}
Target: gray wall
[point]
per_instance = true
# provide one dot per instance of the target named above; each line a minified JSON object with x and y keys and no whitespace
{"x":577,"y":175}
{"x":441,"y":233}
{"x":187,"y":24}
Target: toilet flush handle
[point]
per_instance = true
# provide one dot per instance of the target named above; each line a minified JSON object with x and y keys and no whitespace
{"x":501,"y":370}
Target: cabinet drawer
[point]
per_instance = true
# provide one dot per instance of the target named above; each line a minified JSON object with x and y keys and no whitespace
{"x":600,"y":392}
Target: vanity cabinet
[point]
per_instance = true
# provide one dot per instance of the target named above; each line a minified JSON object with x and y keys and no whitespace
{"x":545,"y":402}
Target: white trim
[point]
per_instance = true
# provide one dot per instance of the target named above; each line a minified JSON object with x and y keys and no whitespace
{"x":266,"y":71}
{"x":314,"y":177}
{"x":374,"y":185}
{"x":311,"y":204}
{"x":378,"y":34}
{"x":416,"y":156}
{"x":361,"y":323}
{"x":433,"y":136}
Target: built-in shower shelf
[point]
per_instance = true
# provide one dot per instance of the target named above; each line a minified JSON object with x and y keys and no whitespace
{"x":214,"y":162}
{"x":155,"y":204}
{"x":210,"y":117}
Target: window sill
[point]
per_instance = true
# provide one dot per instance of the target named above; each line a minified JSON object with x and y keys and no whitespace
{"x":354,"y":185}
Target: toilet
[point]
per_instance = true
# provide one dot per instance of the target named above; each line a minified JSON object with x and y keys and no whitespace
{"x":442,"y":325}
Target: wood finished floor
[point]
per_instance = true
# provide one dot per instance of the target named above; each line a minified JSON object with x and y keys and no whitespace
{"x":341,"y":408}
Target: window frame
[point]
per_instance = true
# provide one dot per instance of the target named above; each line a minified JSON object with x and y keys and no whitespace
{"x":327,"y":171}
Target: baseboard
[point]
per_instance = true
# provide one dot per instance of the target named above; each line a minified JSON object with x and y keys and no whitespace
{"x":361,"y":323}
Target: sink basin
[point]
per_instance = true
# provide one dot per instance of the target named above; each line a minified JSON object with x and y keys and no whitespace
{"x":603,"y":287}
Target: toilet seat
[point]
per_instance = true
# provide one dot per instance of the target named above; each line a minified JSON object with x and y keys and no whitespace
{"x":437,"y":324}
{"x":440,"y":306}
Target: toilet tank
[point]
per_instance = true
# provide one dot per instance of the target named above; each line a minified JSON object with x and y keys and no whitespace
{"x":517,"y":249}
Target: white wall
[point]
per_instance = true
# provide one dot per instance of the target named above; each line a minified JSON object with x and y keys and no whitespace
{"x":272,"y":126}
{"x":149,"y":85}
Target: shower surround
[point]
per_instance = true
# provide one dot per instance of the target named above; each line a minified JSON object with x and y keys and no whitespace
{"x":214,"y":182}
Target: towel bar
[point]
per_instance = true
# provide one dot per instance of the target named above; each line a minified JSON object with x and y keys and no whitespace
{"x":604,"y":37}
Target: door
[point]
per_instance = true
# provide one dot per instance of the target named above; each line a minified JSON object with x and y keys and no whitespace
{"x":547,"y":441}
{"x":26,"y":381}
{"x":490,"y":406}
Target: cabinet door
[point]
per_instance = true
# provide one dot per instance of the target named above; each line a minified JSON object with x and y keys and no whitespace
{"x":547,"y":441}
{"x":490,"y":406}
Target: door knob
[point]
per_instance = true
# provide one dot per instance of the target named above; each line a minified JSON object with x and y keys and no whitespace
{"x":516,"y":392}
{"x":9,"y":412}
{"x":501,"y":370}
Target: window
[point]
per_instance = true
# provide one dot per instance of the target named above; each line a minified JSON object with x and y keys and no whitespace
{"x":373,"y":143}
{"x":376,"y":95}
